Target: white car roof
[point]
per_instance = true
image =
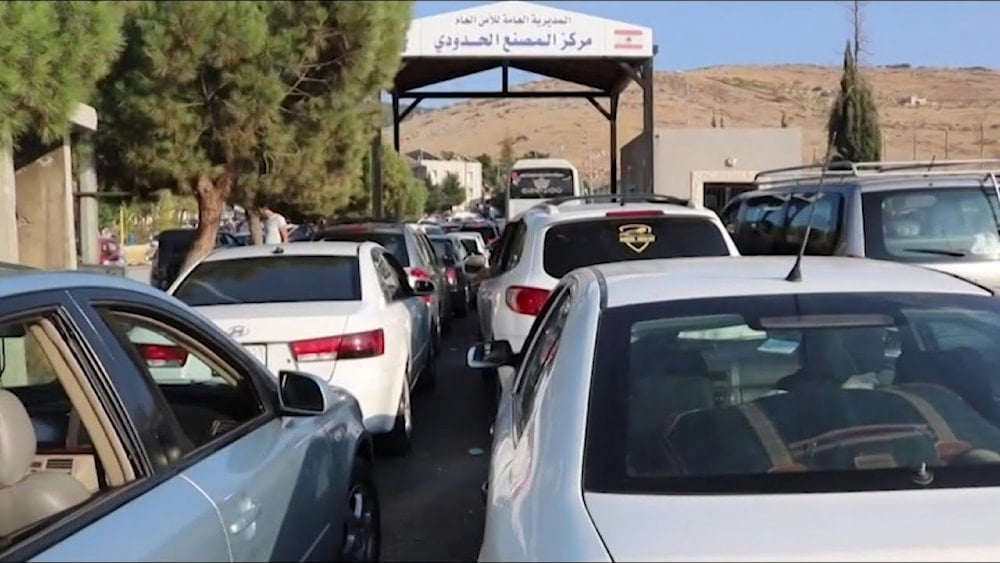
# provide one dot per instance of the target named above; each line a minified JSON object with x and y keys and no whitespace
{"x":573,"y":211}
{"x":645,"y":281}
{"x":311,"y":248}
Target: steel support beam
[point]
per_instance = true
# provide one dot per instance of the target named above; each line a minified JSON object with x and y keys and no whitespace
{"x":648,"y":123}
{"x":497,"y":95}
{"x":614,"y":143}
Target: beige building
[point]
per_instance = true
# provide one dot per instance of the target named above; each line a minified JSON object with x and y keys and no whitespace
{"x":434,"y":169}
{"x":709,"y":166}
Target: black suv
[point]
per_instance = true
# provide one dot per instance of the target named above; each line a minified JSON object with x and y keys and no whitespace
{"x":172,"y":247}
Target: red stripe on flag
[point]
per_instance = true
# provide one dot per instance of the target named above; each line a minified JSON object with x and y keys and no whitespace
{"x":628,"y":32}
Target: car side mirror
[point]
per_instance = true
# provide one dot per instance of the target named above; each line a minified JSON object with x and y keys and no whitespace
{"x":474,"y":264}
{"x":423,"y":287}
{"x":489,"y":355}
{"x":302,"y":394}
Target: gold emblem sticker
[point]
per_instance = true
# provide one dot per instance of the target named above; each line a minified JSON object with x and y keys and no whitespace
{"x":636,"y":237}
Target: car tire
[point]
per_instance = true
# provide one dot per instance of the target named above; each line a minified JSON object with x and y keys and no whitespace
{"x":362,"y":541}
{"x":399,"y":440}
{"x":428,"y":377}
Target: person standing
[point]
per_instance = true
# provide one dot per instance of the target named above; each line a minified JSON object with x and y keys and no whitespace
{"x":275,"y":227}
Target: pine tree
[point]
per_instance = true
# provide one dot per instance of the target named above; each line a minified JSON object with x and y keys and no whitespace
{"x":252,"y":102}
{"x":853,"y":125}
{"x":52,"y":55}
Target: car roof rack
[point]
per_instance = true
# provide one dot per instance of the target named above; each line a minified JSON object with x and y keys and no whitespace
{"x":847,"y":169}
{"x":618,"y":198}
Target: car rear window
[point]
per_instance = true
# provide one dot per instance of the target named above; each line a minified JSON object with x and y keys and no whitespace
{"x":443,"y":249}
{"x":172,"y":243}
{"x":272,"y":279}
{"x":795,"y":393}
{"x":584,"y":243}
{"x":932,"y":225}
{"x":488,"y":232}
{"x":395,"y":243}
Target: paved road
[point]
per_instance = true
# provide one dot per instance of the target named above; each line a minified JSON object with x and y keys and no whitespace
{"x":431,"y":504}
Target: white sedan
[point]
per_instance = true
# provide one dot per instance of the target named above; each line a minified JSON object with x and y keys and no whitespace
{"x":706,"y":409}
{"x":342,"y":310}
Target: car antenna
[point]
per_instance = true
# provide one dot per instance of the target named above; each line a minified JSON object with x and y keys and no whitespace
{"x":795,"y":274}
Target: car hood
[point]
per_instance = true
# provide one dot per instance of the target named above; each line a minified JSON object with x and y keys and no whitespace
{"x":922,"y":525}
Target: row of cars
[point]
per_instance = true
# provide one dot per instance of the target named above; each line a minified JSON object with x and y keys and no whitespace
{"x":232,"y":417}
{"x":664,"y":398}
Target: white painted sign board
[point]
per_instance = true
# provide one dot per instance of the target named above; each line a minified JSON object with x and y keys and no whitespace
{"x":518,"y":29}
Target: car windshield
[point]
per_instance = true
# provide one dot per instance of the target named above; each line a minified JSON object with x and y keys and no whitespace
{"x":932,"y":225}
{"x":815,"y":392}
{"x":272,"y":279}
{"x":597,"y":241}
{"x":395,"y":243}
{"x":541,"y":183}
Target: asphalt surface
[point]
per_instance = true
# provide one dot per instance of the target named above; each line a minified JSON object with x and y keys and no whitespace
{"x":430,"y":499}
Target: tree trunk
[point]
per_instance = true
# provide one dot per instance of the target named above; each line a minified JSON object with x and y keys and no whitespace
{"x":8,"y":203}
{"x":256,"y":227}
{"x":211,"y":197}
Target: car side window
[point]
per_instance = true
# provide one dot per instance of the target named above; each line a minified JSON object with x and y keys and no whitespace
{"x":209,"y":394}
{"x":540,"y":355}
{"x":387,"y":279}
{"x":512,"y":247}
{"x":760,"y":224}
{"x":823,"y":214}
{"x":399,"y":275}
{"x":424,"y":249}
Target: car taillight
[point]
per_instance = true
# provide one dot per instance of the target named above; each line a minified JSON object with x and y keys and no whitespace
{"x":526,"y":300}
{"x":416,"y":274}
{"x":451,"y":275}
{"x":163,"y":356}
{"x":634,"y":213}
{"x":348,"y":346}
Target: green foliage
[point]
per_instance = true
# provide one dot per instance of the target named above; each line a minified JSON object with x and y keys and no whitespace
{"x":853,"y":126}
{"x":53,"y":54}
{"x":270,"y":101}
{"x":452,"y":190}
{"x":404,"y":195}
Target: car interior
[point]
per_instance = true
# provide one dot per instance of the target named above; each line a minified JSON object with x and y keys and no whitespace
{"x":695,"y":396}
{"x":57,"y":445}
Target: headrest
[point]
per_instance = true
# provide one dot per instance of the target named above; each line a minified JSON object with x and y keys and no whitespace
{"x":17,"y":439}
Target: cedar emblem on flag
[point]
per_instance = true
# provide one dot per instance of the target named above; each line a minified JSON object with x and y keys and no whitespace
{"x":628,"y":39}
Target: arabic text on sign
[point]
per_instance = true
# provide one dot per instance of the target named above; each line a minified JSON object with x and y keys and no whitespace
{"x":571,"y":41}
{"x":508,"y":19}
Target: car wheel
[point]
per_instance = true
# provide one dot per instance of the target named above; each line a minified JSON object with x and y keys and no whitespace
{"x":399,"y":440}
{"x":363,"y":523}
{"x":428,"y":377}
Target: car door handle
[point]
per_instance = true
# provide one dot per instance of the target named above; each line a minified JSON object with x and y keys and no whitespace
{"x":249,"y":511}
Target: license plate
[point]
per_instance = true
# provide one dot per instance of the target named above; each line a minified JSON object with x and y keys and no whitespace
{"x":258,"y":351}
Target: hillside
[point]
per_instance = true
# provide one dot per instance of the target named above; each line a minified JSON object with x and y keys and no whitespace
{"x":957,"y":100}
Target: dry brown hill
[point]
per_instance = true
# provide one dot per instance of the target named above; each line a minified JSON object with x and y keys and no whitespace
{"x":959,"y":101}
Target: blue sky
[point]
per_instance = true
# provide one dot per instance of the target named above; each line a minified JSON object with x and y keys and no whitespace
{"x":698,"y":34}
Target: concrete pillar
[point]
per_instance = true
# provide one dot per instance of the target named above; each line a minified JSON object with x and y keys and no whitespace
{"x":8,"y":204}
{"x":89,"y":211}
{"x":45,"y":201}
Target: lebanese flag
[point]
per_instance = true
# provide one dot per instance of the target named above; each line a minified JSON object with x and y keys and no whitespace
{"x":628,"y":39}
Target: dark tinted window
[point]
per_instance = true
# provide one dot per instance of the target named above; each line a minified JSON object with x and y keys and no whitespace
{"x":393,"y":242}
{"x":541,"y":183}
{"x":488,"y":232}
{"x":775,"y":224}
{"x":932,"y":225}
{"x":444,"y":250}
{"x":584,"y":243}
{"x":795,"y":393}
{"x":272,"y":279}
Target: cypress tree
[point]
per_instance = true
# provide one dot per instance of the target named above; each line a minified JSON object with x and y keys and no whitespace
{"x":853,"y":126}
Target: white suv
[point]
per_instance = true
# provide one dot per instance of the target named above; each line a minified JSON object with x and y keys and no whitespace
{"x":549,"y":240}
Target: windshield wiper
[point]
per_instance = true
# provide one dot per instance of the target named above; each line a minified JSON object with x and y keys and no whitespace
{"x":938,"y":251}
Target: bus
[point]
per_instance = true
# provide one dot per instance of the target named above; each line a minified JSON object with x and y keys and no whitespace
{"x":533,"y":180}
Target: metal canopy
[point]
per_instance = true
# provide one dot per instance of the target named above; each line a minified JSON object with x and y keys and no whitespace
{"x":601,"y":55}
